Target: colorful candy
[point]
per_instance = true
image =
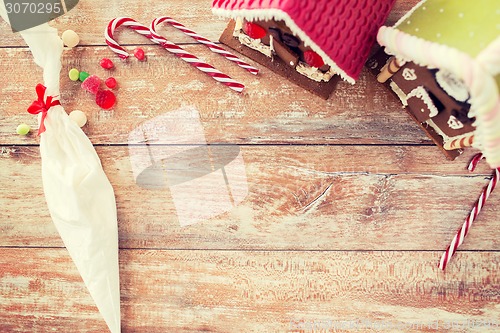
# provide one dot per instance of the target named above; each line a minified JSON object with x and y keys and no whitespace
{"x":23,"y":129}
{"x":313,"y":59}
{"x":70,"y":38}
{"x":139,"y":54}
{"x":92,"y":84}
{"x":74,"y":74}
{"x":106,"y":63}
{"x":105,"y":99}
{"x":83,"y":76}
{"x":78,"y":117}
{"x":254,"y":30}
{"x":110,"y":82}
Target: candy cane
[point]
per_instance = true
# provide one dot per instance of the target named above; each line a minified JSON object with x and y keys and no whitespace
{"x":169,"y":46}
{"x":129,"y":23}
{"x":464,"y":230}
{"x":211,"y":45}
{"x":194,"y":61}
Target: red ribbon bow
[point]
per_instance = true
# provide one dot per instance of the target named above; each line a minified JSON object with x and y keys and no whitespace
{"x":41,"y":106}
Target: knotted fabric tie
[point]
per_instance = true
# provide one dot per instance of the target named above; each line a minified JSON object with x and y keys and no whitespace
{"x":42,"y":106}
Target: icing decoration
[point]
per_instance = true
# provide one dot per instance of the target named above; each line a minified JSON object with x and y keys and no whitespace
{"x":421,"y":93}
{"x":409,"y":74}
{"x":452,"y":85}
{"x":464,"y":229}
{"x":454,"y":123}
{"x":313,"y":73}
{"x":341,"y":34}
{"x":400,"y":93}
{"x":255,"y":44}
{"x":448,"y":41}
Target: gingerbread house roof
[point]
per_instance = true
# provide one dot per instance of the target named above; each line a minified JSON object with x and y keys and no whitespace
{"x":342,"y":32}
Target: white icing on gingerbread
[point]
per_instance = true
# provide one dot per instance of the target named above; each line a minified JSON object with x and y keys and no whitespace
{"x":452,"y":85}
{"x":421,"y":93}
{"x":314,"y":73}
{"x":278,"y":15}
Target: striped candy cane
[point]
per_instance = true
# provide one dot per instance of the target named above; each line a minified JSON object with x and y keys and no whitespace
{"x":129,"y":23}
{"x":464,"y":230}
{"x":194,"y":61}
{"x":173,"y":48}
{"x":211,"y":45}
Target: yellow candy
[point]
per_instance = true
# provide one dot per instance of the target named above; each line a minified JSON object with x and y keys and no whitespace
{"x":74,"y":74}
{"x":23,"y":129}
{"x":70,"y":38}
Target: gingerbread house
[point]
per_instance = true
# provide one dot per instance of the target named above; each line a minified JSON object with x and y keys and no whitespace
{"x":311,"y":43}
{"x":442,"y":60}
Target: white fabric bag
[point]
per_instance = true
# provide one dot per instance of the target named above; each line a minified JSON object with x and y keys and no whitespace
{"x":79,"y":196}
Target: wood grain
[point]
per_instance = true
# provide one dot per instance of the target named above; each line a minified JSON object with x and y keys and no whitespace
{"x":263,"y":291}
{"x":271,"y":110}
{"x":356,"y":197}
{"x":348,"y":208}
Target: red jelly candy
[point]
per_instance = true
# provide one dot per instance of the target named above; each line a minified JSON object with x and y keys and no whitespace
{"x":313,"y":59}
{"x":110,"y":82}
{"x":106,"y":63}
{"x":139,"y":54}
{"x":105,"y":99}
{"x":253,"y":30}
{"x":91,"y":84}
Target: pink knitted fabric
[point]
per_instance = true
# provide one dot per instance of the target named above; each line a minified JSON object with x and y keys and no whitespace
{"x":343,"y":29}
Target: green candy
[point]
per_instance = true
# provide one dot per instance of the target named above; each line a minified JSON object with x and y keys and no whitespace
{"x":23,"y":129}
{"x":83,"y":76}
{"x":74,"y":74}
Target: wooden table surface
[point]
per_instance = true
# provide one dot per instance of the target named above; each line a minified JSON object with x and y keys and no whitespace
{"x":349,"y":205}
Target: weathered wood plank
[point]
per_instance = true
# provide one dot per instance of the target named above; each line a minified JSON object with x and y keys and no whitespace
{"x":354,"y":197}
{"x":90,"y":19}
{"x":272,"y":110}
{"x":228,"y":291}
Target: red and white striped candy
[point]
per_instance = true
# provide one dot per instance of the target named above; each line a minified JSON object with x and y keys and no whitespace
{"x":129,"y":23}
{"x":173,"y":48}
{"x":194,"y":61}
{"x":464,"y":230}
{"x":211,"y":45}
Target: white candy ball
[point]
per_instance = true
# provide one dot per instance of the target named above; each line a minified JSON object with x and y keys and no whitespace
{"x":70,"y":38}
{"x":78,"y":117}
